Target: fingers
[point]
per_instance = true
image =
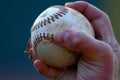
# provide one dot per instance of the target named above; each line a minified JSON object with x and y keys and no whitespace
{"x":79,"y":41}
{"x":99,"y":20}
{"x":45,"y":70}
{"x":90,"y":11}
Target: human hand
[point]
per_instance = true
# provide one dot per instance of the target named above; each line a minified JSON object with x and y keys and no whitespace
{"x":100,"y":55}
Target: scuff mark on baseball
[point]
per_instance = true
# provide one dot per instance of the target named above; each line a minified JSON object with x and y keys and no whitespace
{"x":50,"y":21}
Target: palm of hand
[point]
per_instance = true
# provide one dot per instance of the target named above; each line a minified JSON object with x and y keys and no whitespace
{"x":97,"y":69}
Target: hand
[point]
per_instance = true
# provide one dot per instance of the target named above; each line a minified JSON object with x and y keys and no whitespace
{"x":100,"y":55}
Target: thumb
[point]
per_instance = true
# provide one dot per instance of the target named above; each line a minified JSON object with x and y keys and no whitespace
{"x":81,"y":42}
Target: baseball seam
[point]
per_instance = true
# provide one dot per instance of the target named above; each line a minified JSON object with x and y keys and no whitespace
{"x":50,"y":19}
{"x":46,"y":38}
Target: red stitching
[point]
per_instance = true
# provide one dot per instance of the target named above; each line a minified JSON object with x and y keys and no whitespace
{"x":48,"y":20}
{"x":43,"y":37}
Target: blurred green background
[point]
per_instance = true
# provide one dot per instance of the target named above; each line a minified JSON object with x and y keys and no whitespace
{"x":112,"y":8}
{"x":16,"y":19}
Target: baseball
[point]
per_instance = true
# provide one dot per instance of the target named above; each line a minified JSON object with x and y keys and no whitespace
{"x":49,"y":22}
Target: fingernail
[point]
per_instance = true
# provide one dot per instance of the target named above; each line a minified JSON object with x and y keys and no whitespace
{"x":68,"y":4}
{"x":36,"y":63}
{"x":63,"y":36}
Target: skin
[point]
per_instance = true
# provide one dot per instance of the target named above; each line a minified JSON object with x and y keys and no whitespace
{"x":100,"y":55}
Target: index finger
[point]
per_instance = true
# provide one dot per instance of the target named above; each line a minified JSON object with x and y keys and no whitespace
{"x":99,"y":20}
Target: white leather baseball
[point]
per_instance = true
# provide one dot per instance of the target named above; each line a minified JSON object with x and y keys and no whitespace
{"x":49,"y":22}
